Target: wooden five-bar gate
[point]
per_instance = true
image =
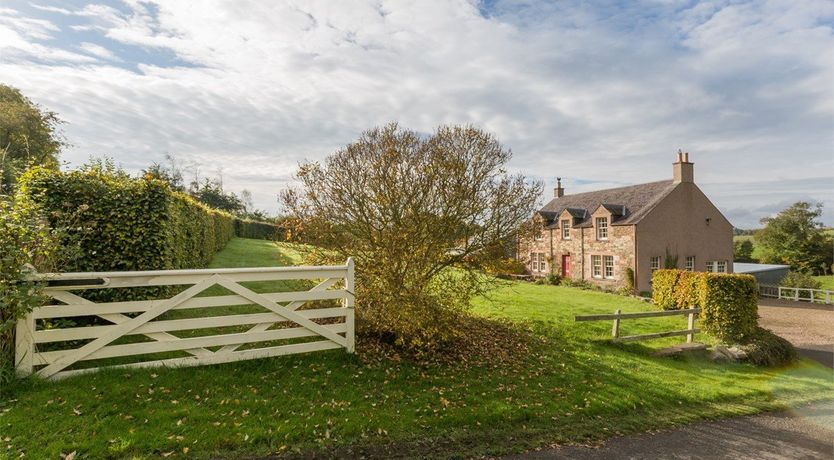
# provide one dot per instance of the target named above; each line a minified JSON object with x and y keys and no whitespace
{"x":270,"y":324}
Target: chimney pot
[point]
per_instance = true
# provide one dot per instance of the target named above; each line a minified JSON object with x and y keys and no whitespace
{"x":683,"y":170}
{"x":558,"y":192}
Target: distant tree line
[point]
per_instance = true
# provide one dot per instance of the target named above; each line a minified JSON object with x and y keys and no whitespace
{"x":208,"y":191}
{"x":795,"y":237}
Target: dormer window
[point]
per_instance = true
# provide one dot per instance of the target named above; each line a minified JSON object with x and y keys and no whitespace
{"x":602,"y":228}
{"x":566,"y":229}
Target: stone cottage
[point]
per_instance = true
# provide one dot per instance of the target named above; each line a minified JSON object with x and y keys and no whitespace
{"x":605,"y":236}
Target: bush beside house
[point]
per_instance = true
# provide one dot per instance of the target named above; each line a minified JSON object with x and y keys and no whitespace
{"x":729,"y":310}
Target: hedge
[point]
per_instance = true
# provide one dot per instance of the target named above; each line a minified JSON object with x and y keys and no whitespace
{"x":109,"y":221}
{"x":728,"y":302}
{"x":245,"y":228}
{"x":729,"y":306}
{"x":663,"y":288}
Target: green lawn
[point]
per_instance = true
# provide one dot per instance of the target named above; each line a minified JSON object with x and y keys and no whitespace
{"x":827,"y":281}
{"x":572,"y":387}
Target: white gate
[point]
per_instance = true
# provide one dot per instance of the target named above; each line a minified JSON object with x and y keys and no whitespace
{"x":140,"y":320}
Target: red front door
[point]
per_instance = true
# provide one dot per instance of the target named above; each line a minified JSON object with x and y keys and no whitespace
{"x":566,"y":266}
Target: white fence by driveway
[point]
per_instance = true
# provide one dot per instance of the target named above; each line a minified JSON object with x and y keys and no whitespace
{"x":270,"y":317}
{"x":797,"y":294}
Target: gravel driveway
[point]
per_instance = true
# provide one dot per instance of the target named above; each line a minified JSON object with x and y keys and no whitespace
{"x":809,"y":327}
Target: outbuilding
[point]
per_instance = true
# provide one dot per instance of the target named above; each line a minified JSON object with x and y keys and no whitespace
{"x":764,"y":273}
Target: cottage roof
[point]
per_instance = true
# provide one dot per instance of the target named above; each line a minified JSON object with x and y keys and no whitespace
{"x":627,"y":204}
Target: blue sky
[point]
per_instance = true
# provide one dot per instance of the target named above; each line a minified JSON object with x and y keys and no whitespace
{"x":599,"y":93}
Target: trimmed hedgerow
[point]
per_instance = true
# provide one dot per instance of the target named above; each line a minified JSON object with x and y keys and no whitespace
{"x":663,"y":288}
{"x":688,"y":288}
{"x":245,"y":228}
{"x":728,"y":302}
{"x":109,"y":221}
{"x":729,"y":306}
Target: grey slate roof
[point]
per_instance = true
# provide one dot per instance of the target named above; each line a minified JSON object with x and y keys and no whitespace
{"x":627,"y":204}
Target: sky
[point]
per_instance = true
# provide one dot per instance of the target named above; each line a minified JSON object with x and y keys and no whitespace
{"x":600,"y":93}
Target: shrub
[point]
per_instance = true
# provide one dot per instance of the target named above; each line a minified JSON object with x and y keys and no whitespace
{"x":663,"y":288}
{"x":581,"y":284}
{"x":629,"y":281}
{"x":729,"y":306}
{"x":422,"y":215}
{"x":504,"y":266}
{"x":109,"y":221}
{"x":764,"y":348}
{"x":553,"y":280}
{"x":25,"y":238}
{"x":800,"y":280}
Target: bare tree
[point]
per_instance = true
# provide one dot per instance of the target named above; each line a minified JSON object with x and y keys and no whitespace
{"x":420,"y":215}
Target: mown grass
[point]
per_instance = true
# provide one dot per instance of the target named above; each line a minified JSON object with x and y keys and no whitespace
{"x":826,"y":281}
{"x":573,"y":386}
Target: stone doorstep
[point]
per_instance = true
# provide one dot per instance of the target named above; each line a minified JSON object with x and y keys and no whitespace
{"x":680,"y":349}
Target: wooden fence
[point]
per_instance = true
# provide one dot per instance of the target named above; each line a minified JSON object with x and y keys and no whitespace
{"x":689,"y":332}
{"x":797,"y":294}
{"x":260,"y":320}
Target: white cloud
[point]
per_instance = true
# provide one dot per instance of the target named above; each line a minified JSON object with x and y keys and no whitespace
{"x":575,"y":90}
{"x":97,"y":50}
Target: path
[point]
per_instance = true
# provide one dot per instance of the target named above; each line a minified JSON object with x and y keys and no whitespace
{"x":806,"y":433}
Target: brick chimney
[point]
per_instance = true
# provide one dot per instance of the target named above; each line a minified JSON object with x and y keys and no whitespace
{"x":683,"y":170}
{"x":558,"y":192}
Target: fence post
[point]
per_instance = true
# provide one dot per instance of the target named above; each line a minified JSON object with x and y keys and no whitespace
{"x":615,"y":331}
{"x":24,"y":347}
{"x":796,"y":294}
{"x":827,"y":296}
{"x":690,"y":325}
{"x":350,"y":301}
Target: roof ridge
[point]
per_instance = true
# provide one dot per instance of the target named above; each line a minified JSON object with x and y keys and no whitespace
{"x":616,"y":188}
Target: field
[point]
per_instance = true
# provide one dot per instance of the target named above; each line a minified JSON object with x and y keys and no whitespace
{"x":572,"y":387}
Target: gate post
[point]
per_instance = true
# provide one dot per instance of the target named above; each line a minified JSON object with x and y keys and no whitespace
{"x":350,"y":301}
{"x":24,"y":347}
{"x":615,"y":329}
{"x":690,"y":325}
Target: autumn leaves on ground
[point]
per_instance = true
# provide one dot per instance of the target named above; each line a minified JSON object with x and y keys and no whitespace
{"x":566,"y":384}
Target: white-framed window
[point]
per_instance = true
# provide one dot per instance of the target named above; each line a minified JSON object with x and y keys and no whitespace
{"x":608,"y":265}
{"x":655,"y":263}
{"x":690,"y":263}
{"x":540,"y":235}
{"x":596,"y":264}
{"x":537,"y":262}
{"x":566,"y":229}
{"x":721,"y":266}
{"x":602,"y":228}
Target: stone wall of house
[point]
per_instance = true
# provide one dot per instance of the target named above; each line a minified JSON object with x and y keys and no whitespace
{"x":540,"y":245}
{"x":620,"y":245}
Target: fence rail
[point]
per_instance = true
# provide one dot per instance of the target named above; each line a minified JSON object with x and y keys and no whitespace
{"x":260,"y":330}
{"x":618,"y":316}
{"x":824,"y":296}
